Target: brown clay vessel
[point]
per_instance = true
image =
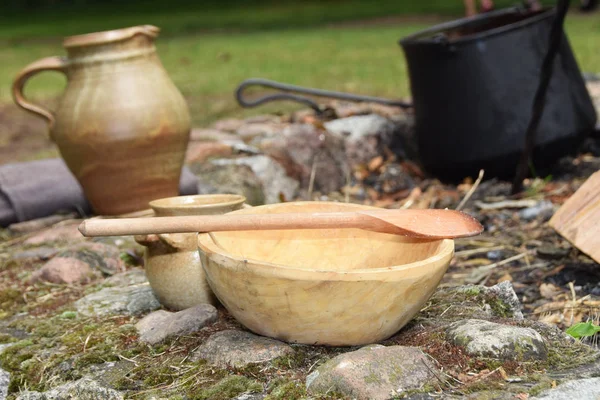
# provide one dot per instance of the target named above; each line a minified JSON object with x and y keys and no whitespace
{"x":171,"y":260}
{"x":121,"y":125}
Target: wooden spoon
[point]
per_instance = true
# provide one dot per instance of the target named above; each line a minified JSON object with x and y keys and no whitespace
{"x":426,"y":224}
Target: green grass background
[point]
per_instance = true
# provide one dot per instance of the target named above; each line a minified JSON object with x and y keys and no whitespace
{"x":210,"y":47}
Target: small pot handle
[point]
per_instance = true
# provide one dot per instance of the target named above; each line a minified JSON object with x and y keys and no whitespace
{"x":45,"y":64}
{"x":165,"y":240}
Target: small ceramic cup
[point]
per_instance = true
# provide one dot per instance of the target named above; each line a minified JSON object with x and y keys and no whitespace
{"x":172,"y":262}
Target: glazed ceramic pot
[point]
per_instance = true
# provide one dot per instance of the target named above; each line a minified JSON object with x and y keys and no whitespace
{"x":339,"y":287}
{"x":171,"y":260}
{"x":121,"y":125}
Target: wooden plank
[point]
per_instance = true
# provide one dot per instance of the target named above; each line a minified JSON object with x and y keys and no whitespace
{"x":578,"y":219}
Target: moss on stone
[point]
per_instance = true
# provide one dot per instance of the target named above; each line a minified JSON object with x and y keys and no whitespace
{"x":10,"y":300}
{"x":229,"y":388}
{"x":6,"y":338}
{"x":544,"y":384}
{"x":295,"y":360}
{"x":286,"y":390}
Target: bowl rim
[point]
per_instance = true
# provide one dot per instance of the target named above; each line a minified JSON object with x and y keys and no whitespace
{"x":213,"y":252}
{"x":177,"y":202}
{"x":209,"y":246}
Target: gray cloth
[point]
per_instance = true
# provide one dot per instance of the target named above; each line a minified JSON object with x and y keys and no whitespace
{"x":36,"y":189}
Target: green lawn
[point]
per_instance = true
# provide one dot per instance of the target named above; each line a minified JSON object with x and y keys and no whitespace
{"x":207,"y":66}
{"x":184,"y":16}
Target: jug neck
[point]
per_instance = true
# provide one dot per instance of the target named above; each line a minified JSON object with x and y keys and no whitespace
{"x":114,"y":45}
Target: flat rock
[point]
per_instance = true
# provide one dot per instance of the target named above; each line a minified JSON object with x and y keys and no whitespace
{"x":275,"y":182}
{"x":38,"y":253}
{"x":475,"y":302}
{"x":488,"y":339}
{"x":60,"y":233}
{"x":82,"y":389}
{"x":108,"y":373}
{"x":129,"y":300}
{"x":250,"y":396}
{"x":578,"y":389}
{"x":103,"y":257}
{"x":4,"y":381}
{"x":239,"y":349}
{"x":134,"y":276}
{"x":249,"y":130}
{"x":39,"y":223}
{"x":65,"y":270}
{"x":374,"y":373}
{"x":161,"y":325}
{"x":544,"y":209}
{"x":229,"y":178}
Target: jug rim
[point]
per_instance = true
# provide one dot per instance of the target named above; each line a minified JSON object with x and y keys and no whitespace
{"x":110,"y":36}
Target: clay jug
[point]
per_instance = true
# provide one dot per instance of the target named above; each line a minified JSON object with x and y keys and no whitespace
{"x":121,"y":125}
{"x":171,"y":260}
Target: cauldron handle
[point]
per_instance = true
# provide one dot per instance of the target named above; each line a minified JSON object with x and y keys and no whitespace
{"x":286,"y":88}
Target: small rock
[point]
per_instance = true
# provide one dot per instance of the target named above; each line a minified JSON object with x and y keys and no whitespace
{"x":80,"y":263}
{"x":374,"y":373}
{"x":4,"y":381}
{"x":199,"y":152}
{"x":82,"y":389}
{"x":488,"y":339}
{"x":134,"y":276}
{"x":551,"y":252}
{"x":99,"y":256}
{"x":365,"y":136}
{"x":491,"y":394}
{"x":243,"y":148}
{"x":130,"y":300}
{"x":505,"y":292}
{"x":107,"y":373}
{"x":394,"y":179}
{"x":578,"y":389}
{"x":229,"y":178}
{"x":250,"y":396}
{"x":239,"y":349}
{"x":61,"y":233}
{"x":161,"y":325}
{"x":274,"y":180}
{"x":228,"y":125}
{"x":214,"y":135}
{"x":64,"y":270}
{"x":249,"y":131}
{"x":545,"y":208}
{"x":39,"y":223}
{"x":4,"y":346}
{"x":476,"y":301}
{"x":301,"y":148}
{"x":39,"y":253}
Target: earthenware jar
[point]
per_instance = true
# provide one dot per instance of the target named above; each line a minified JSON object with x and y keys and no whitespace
{"x":121,"y":125}
{"x":172,"y":262}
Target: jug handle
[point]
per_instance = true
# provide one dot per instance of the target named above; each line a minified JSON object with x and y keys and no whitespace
{"x":45,"y":64}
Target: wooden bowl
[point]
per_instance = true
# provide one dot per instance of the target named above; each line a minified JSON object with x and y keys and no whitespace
{"x":336,"y":287}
